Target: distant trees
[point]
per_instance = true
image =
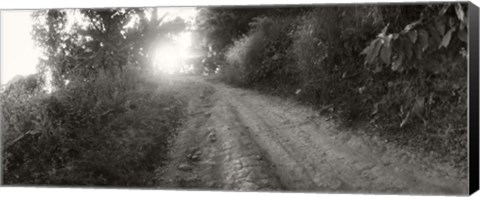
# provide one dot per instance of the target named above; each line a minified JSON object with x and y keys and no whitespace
{"x":220,"y":27}
{"x":100,"y":42}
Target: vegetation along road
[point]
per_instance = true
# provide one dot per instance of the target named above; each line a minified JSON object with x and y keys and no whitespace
{"x":366,"y":98}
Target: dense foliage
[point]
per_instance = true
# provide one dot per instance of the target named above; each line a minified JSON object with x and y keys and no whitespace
{"x":260,"y":55}
{"x":218,"y":28}
{"x":103,"y":122}
{"x":400,"y":68}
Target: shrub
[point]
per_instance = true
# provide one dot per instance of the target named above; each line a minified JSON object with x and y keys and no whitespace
{"x":325,"y":45}
{"x":99,"y":133}
{"x":262,"y":54}
{"x":427,"y":80}
{"x":20,"y":103}
{"x":240,"y":58}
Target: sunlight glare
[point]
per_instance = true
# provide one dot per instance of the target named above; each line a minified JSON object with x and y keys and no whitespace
{"x":167,"y":59}
{"x":171,"y":57}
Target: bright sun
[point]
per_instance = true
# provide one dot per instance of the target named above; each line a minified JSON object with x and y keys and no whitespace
{"x":170,"y":57}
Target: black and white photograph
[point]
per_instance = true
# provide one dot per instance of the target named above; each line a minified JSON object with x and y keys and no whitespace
{"x":360,"y":98}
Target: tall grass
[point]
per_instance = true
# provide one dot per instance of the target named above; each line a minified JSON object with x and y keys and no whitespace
{"x":111,"y":131}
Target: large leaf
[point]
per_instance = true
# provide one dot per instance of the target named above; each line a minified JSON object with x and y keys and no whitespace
{"x":368,"y":51}
{"x":412,"y":35}
{"x":423,"y":39}
{"x":375,"y":48}
{"x":386,"y":54}
{"x":384,"y":31}
{"x":446,"y":39}
{"x":459,"y":11}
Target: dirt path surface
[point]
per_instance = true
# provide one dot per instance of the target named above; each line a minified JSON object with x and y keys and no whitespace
{"x":234,"y":139}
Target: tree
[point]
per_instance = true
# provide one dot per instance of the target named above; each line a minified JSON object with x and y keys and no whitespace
{"x":96,"y":62}
{"x":102,"y":42}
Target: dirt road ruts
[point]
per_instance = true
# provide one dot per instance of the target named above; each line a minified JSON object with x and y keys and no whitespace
{"x":235,"y":139}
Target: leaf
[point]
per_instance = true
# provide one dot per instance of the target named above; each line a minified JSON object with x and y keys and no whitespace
{"x":384,"y":31}
{"x":374,"y":52}
{"x":459,"y":11}
{"x":398,"y":62}
{"x":378,"y":45}
{"x":394,"y":36}
{"x":412,"y":35}
{"x":385,"y":54}
{"x":462,"y":35}
{"x":368,"y":49}
{"x":446,"y":38}
{"x":411,"y":25}
{"x":423,"y":39}
{"x":444,"y":9}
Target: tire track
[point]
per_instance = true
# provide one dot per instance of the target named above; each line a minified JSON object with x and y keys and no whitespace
{"x":243,"y":166}
{"x":332,"y":164}
{"x":250,"y":142}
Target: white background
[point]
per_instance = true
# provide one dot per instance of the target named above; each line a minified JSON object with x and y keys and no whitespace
{"x":83,"y":192}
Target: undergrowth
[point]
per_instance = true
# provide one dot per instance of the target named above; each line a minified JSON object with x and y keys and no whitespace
{"x":109,"y":132}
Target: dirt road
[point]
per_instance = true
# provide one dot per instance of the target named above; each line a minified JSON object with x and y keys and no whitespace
{"x":234,"y":139}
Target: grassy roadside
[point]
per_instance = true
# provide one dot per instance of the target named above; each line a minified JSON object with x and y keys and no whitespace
{"x":88,"y":135}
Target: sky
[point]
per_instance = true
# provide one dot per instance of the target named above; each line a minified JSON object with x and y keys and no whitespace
{"x":18,"y":55}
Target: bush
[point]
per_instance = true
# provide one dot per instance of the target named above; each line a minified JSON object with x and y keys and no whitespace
{"x":243,"y":58}
{"x":20,"y":103}
{"x":424,"y":81}
{"x":262,"y":55}
{"x":104,"y":132}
